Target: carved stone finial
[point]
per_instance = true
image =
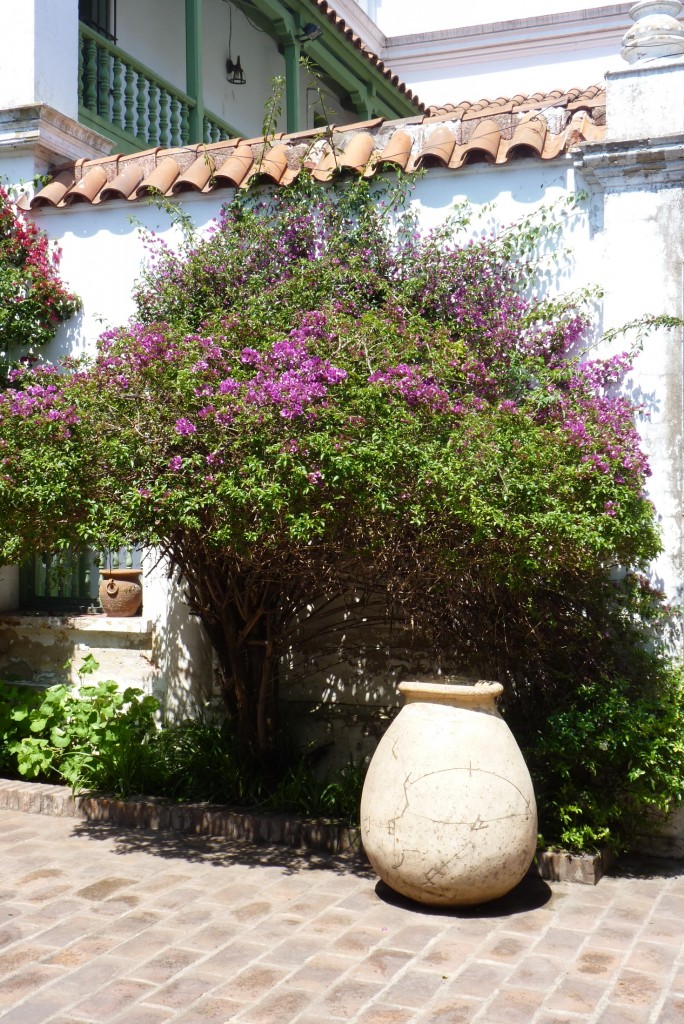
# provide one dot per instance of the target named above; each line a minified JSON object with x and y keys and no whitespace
{"x":656,"y":33}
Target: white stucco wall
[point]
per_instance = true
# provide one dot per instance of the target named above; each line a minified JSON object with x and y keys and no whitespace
{"x":475,"y":78}
{"x":102,"y":254}
{"x":632,"y":227}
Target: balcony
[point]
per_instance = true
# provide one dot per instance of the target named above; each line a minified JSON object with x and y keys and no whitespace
{"x":124,"y":100}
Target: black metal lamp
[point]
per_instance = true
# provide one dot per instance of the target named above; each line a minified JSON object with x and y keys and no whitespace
{"x":236,"y":75}
{"x":310,"y":32}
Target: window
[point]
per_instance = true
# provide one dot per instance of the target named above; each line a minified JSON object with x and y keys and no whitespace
{"x":99,"y":15}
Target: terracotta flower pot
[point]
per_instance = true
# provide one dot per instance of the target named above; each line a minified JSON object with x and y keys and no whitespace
{"x":120,"y":591}
{"x":448,"y":814}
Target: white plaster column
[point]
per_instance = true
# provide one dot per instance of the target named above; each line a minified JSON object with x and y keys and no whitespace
{"x":637,"y":173}
{"x":39,"y":54}
{"x":638,"y":176}
{"x":39,"y":90}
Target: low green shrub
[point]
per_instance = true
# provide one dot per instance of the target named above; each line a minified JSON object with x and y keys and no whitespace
{"x":608,"y":765}
{"x":201,"y":759}
{"x":96,"y":738}
{"x":14,"y":727}
{"x":104,"y":739}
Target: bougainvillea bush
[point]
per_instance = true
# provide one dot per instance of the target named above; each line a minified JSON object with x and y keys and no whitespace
{"x":317,"y":402}
{"x":33,"y":298}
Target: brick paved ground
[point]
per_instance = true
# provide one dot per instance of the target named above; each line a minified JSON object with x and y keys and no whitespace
{"x":99,"y":924}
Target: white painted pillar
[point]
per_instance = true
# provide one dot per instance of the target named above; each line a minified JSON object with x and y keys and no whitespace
{"x":637,"y":173}
{"x":39,"y":54}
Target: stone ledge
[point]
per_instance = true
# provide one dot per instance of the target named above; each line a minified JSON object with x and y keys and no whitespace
{"x":23,"y":623}
{"x":584,"y":868}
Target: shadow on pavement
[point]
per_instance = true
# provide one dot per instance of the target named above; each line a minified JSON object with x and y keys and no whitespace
{"x":219,"y":851}
{"x":638,"y":866}
{"x":530,"y":894}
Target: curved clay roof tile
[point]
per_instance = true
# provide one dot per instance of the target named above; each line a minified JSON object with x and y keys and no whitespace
{"x":273,"y":164}
{"x":439,"y":149}
{"x":358,"y":152}
{"x":161,"y":178}
{"x":86,"y":190}
{"x":53,"y":193}
{"x":582,"y":129}
{"x":483,"y":143}
{"x":124,"y":184}
{"x":235,"y":169}
{"x":327,"y":164}
{"x":196,"y":177}
{"x":397,"y":151}
{"x":528,"y":139}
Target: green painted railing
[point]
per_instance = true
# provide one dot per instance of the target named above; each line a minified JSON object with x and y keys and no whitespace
{"x":68,"y":580}
{"x":130,"y":104}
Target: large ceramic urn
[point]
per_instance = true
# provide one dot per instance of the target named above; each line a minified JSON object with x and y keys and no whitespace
{"x":448,"y":814}
{"x":120,"y":592}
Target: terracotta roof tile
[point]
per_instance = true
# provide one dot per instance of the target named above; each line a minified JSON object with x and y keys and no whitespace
{"x":324,"y":9}
{"x":541,"y":126}
{"x":161,"y":179}
{"x":53,"y":193}
{"x":197,"y":175}
{"x":357,"y":153}
{"x":88,"y":188}
{"x":124,"y":184}
{"x":234,"y":170}
{"x":573,"y":99}
{"x":440,"y":145}
{"x":397,"y":151}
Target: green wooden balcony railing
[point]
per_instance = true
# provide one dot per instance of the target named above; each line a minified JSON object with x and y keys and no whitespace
{"x":68,"y":581}
{"x":131,"y":105}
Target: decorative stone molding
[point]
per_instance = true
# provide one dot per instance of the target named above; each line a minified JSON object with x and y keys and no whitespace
{"x":656,"y":34}
{"x":52,"y":137}
{"x":626,"y":166}
{"x":518,"y":39}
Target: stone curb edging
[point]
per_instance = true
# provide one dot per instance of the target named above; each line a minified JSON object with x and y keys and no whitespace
{"x":158,"y":814}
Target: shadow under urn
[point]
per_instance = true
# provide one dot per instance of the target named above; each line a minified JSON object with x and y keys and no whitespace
{"x":448,"y":814}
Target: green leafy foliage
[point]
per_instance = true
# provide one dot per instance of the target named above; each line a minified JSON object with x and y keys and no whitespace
{"x":16,"y":705}
{"x":103,"y":739}
{"x":33,"y":299}
{"x":93,"y":738}
{"x":610,"y":763}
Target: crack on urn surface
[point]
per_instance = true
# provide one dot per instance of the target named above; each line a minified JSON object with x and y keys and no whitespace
{"x":448,"y":807}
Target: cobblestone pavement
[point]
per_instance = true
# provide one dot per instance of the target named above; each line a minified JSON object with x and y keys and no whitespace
{"x":100,"y":924}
